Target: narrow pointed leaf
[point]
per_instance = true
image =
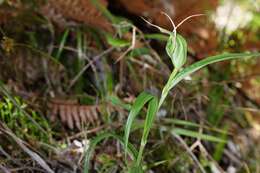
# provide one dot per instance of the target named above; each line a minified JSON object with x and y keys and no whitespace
{"x":139,"y":103}
{"x":184,"y":132}
{"x":200,"y":64}
{"x":151,"y":112}
{"x":62,"y":43}
{"x":160,"y":37}
{"x":117,"y":42}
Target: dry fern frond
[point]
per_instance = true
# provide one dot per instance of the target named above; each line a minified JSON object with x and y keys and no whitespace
{"x":72,"y":114}
{"x":61,"y":11}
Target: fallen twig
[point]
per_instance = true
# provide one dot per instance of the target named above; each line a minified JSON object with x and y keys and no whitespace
{"x":31,"y":153}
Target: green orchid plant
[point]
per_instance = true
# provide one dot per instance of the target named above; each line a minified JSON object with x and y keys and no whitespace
{"x":176,"y":49}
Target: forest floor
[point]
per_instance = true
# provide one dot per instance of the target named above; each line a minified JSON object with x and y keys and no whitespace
{"x":71,"y":71}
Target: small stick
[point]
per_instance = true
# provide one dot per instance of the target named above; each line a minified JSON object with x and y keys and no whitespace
{"x":131,"y":47}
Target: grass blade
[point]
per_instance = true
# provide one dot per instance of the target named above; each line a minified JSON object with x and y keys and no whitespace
{"x":187,"y":123}
{"x":62,"y":43}
{"x":219,"y":148}
{"x":117,"y":42}
{"x":180,"y":131}
{"x":79,"y":44}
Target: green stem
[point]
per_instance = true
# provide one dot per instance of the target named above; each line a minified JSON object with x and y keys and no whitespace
{"x":166,"y":89}
{"x":140,"y":153}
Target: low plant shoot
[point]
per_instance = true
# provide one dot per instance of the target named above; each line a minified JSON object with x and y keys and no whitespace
{"x":176,"y":49}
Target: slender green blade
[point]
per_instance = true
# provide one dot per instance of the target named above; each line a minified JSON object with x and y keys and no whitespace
{"x":180,"y":131}
{"x":219,"y":148}
{"x":152,"y":110}
{"x":181,"y":122}
{"x":79,"y":44}
{"x":62,"y":43}
{"x":192,"y":124}
{"x":139,"y":103}
{"x":210,"y":60}
{"x":200,"y":64}
{"x":160,"y":37}
{"x":117,"y":42}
